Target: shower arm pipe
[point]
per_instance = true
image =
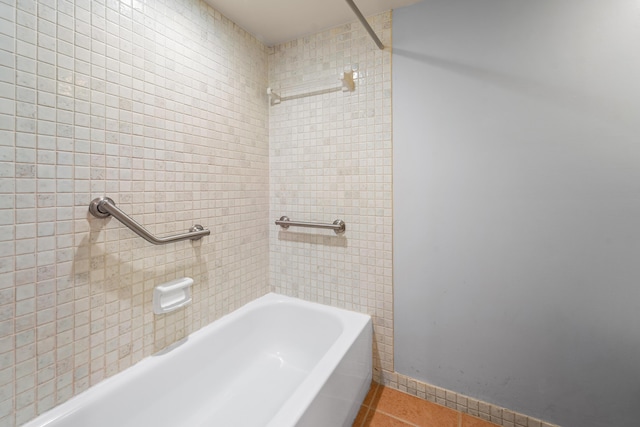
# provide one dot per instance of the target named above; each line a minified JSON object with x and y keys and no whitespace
{"x":364,"y":22}
{"x":338,"y":226}
{"x":103,"y":207}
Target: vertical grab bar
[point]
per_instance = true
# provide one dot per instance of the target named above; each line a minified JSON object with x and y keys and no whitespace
{"x":102,"y":207}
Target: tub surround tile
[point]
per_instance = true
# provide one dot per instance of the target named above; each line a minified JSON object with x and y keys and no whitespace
{"x":330,"y":157}
{"x":159,"y":105}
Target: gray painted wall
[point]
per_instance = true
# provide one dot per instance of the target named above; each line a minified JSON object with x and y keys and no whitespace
{"x":517,"y":204}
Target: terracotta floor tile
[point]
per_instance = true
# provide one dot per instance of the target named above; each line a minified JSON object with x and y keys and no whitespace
{"x":469,"y":421}
{"x":387,"y":407}
{"x":378,"y":419}
{"x":362,"y":415}
{"x":371,"y":394}
{"x":439,"y":416}
{"x":413,"y":410}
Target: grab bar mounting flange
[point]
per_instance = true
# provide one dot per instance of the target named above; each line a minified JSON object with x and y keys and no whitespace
{"x":94,"y":207}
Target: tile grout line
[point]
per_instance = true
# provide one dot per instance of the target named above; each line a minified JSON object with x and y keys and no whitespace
{"x":395,"y":417}
{"x":366,"y":414}
{"x":375,"y":387}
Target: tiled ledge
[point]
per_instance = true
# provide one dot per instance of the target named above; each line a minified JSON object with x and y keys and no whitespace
{"x":476,"y":408}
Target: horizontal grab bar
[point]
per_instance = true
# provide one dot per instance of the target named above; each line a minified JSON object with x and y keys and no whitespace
{"x":338,"y":225}
{"x":103,"y":207}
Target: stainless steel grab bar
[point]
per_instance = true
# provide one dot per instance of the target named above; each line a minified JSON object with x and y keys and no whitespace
{"x":338,"y":225}
{"x":103,"y":207}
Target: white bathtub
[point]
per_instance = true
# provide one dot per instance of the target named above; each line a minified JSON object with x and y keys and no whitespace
{"x":275,"y":362}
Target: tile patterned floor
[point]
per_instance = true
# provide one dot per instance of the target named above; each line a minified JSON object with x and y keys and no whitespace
{"x":386,"y":407}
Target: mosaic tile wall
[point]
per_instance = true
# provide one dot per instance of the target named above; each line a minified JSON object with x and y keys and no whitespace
{"x":330,"y":157}
{"x":159,"y":105}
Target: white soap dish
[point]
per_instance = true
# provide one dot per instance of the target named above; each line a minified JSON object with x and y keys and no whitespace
{"x":172,"y":295}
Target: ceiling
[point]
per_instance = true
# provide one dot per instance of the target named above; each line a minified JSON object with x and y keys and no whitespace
{"x":277,"y":21}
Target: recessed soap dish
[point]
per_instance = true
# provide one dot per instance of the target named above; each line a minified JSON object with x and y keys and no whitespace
{"x":172,"y":295}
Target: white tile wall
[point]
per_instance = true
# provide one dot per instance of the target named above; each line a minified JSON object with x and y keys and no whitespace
{"x":159,"y":105}
{"x":330,"y":157}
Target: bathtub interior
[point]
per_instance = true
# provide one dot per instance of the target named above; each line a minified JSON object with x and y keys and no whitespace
{"x":239,"y":371}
